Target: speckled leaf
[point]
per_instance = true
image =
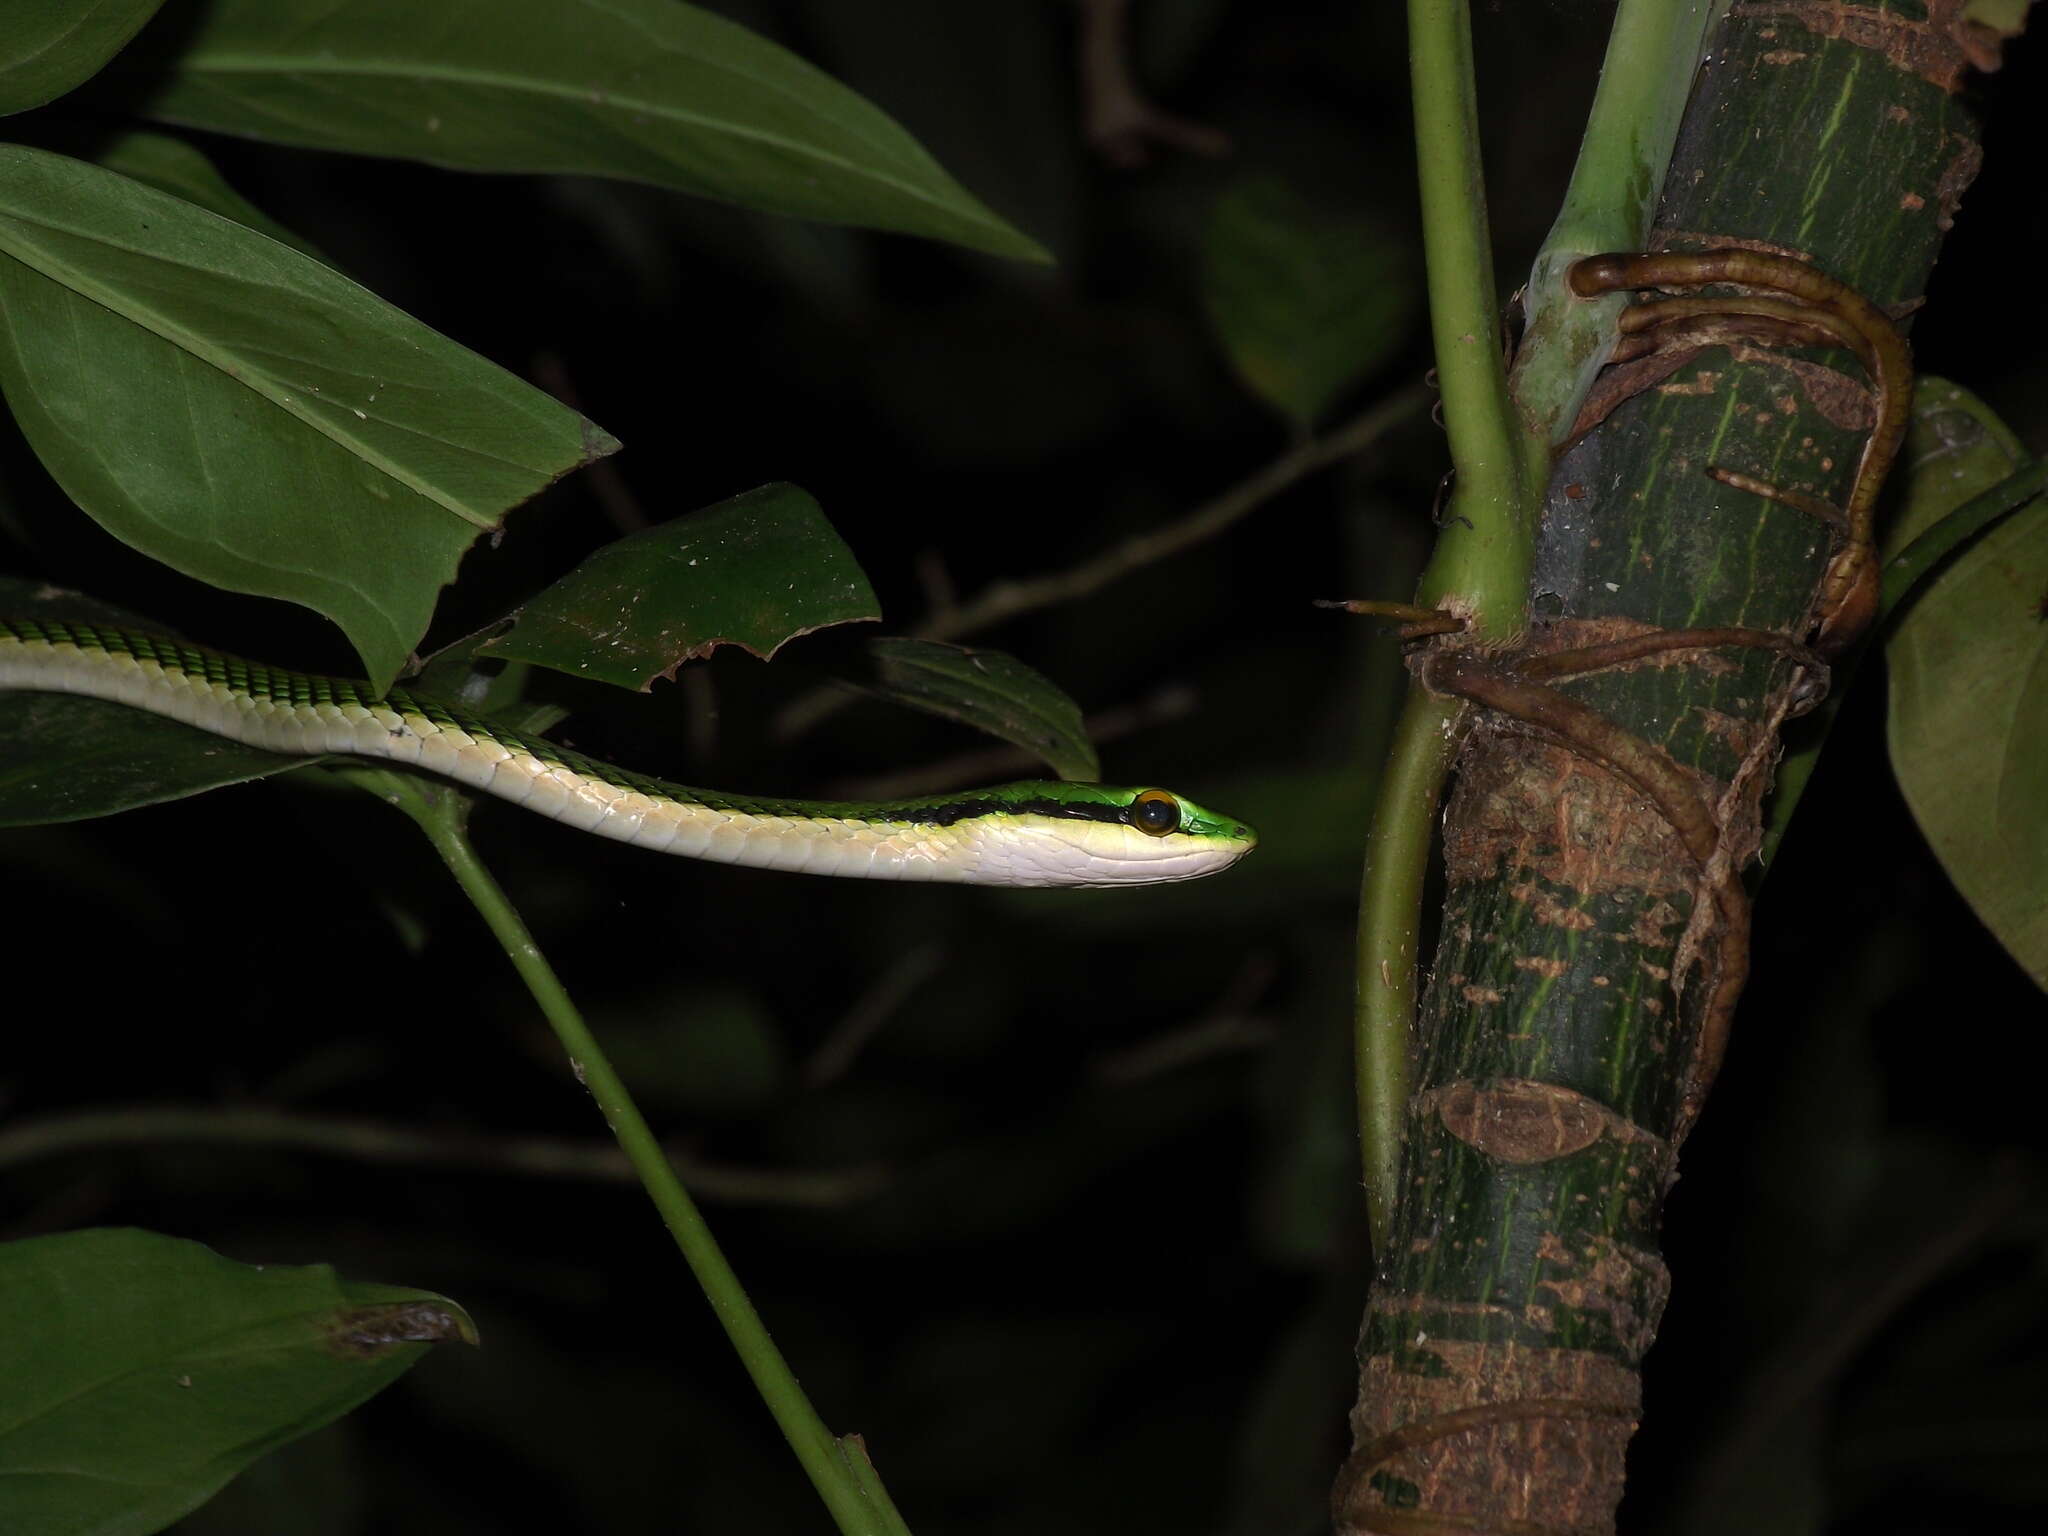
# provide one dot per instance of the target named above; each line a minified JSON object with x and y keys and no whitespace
{"x":70,"y":759}
{"x":1305,"y":300}
{"x":755,"y":572}
{"x":49,"y":46}
{"x":139,"y":1373}
{"x":649,"y":90}
{"x":1969,"y":682}
{"x":988,"y":690}
{"x":244,"y":414}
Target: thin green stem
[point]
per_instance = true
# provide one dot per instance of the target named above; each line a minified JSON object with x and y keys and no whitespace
{"x":1479,"y":573}
{"x":1389,"y":928}
{"x":1481,"y":564}
{"x":441,"y":813}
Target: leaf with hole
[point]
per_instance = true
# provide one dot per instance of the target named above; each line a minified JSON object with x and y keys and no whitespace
{"x":139,"y":1373}
{"x":755,"y":571}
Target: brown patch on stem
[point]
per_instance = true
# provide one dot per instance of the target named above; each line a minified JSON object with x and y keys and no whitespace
{"x":1521,"y":1121}
{"x":1559,"y":821}
{"x":1626,"y":1286}
{"x":1486,"y":1437}
{"x":1940,"y":49}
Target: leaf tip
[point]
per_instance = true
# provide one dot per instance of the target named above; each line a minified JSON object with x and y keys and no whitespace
{"x":368,"y":1333}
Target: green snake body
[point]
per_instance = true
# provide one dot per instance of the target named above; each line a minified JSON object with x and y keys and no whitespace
{"x":1039,"y":833}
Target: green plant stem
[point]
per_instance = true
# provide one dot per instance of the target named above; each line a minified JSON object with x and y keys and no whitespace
{"x":440,"y":813}
{"x":1645,"y":80}
{"x":1479,"y":571}
{"x":1481,"y":565}
{"x":1389,"y":930}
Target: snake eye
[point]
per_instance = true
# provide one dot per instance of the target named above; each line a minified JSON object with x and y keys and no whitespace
{"x":1154,"y":811}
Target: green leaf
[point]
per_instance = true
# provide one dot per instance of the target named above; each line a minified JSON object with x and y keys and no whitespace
{"x":249,"y":417}
{"x":1306,"y":301}
{"x":756,"y":572}
{"x":171,"y":165}
{"x":49,"y":46}
{"x":1968,"y":725}
{"x":988,"y":690}
{"x":139,"y":1373}
{"x":69,"y":759}
{"x":647,"y":90}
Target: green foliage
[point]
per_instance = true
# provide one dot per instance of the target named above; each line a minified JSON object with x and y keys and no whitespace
{"x":48,"y":47}
{"x":140,"y":1373}
{"x":171,"y":165}
{"x":250,"y":417}
{"x":756,"y":572}
{"x":1306,"y":300}
{"x":1969,"y":676}
{"x":985,"y":689}
{"x":650,"y":90}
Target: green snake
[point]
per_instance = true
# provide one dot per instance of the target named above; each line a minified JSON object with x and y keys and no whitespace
{"x":1037,"y":833}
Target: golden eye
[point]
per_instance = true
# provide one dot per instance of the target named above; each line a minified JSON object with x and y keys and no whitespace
{"x":1154,"y":811}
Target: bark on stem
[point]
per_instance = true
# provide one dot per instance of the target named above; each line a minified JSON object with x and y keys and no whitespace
{"x":1522,"y":1275}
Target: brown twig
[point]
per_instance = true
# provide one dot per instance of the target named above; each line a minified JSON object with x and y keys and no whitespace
{"x":1009,"y":599}
{"x":1005,"y":600}
{"x":1119,"y":121}
{"x":376,"y":1141}
{"x":1417,"y":622}
{"x":870,"y":1011}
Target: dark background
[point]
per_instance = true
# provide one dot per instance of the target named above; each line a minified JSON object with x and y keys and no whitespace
{"x":1106,"y":1270}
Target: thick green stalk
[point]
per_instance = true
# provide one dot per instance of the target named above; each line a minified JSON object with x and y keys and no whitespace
{"x":1558,"y":1066}
{"x":441,"y":813}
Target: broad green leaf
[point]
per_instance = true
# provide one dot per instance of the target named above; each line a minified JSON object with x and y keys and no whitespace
{"x":988,"y":690}
{"x":248,"y":416}
{"x":648,"y":90}
{"x":139,"y":1373}
{"x":49,"y":46}
{"x":756,"y":571}
{"x":171,"y":165}
{"x":1969,"y":682}
{"x":69,"y":759}
{"x":1307,"y":301}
